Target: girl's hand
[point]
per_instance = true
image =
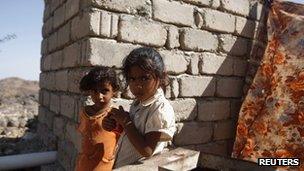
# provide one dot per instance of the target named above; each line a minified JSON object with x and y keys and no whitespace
{"x":108,"y":123}
{"x":120,"y":115}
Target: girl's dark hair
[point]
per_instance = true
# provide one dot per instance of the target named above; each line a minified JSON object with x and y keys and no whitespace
{"x":99,"y":74}
{"x":148,"y":59}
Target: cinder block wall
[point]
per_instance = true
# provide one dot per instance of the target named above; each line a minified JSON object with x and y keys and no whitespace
{"x":207,"y":45}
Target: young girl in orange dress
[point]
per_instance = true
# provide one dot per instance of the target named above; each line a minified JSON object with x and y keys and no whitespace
{"x":98,"y":145}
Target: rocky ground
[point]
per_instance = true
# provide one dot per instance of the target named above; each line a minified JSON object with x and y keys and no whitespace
{"x":18,"y":116}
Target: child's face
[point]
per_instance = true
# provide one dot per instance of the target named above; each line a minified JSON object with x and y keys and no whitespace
{"x":102,"y":94}
{"x":142,"y":84}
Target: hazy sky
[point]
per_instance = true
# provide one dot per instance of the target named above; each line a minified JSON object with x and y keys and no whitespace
{"x":21,"y":56}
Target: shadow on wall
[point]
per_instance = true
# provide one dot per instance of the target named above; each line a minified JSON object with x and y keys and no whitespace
{"x":211,"y":124}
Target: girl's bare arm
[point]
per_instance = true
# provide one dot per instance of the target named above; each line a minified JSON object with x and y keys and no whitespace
{"x":144,"y":144}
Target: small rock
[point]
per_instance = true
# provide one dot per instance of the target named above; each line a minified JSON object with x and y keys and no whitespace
{"x":13,"y":122}
{"x":3,"y":122}
{"x":22,"y":122}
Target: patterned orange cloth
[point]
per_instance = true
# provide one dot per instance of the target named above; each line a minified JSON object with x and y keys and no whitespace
{"x":271,"y":120}
{"x":98,"y":145}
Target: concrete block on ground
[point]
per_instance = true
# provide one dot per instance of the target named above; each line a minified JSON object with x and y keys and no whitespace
{"x":176,"y":159}
{"x":216,"y":147}
{"x":186,"y":162}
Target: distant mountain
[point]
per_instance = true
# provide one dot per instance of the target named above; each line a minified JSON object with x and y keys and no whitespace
{"x":16,"y":87}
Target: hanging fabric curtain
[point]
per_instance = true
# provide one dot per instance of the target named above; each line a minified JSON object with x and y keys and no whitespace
{"x":271,"y":119}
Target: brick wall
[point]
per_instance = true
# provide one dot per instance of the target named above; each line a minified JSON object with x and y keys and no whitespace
{"x":211,"y":49}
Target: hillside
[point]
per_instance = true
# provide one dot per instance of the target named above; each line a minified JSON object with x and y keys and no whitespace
{"x":18,"y":115}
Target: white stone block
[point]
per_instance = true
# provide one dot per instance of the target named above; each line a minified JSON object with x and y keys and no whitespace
{"x":194,"y":86}
{"x":217,"y":21}
{"x":173,"y":12}
{"x":237,"y":6}
{"x":211,"y":63}
{"x":198,"y":40}
{"x":173,"y":37}
{"x":174,"y":61}
{"x":233,"y":45}
{"x":184,"y":109}
{"x":141,"y":31}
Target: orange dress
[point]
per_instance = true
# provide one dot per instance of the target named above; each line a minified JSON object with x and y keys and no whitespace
{"x":98,"y":145}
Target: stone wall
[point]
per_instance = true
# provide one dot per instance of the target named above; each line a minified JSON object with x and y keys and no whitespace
{"x":207,"y":45}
